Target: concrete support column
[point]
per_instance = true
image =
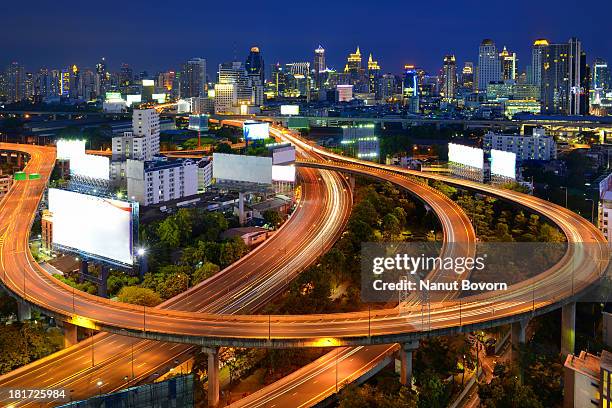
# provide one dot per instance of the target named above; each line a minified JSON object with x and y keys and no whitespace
{"x":517,"y":336}
{"x":241,"y":215}
{"x":406,"y":362}
{"x":352,"y":182}
{"x":24,"y":311}
{"x":70,"y":334}
{"x":213,"y":375}
{"x":103,"y":285}
{"x":568,"y":328}
{"x":83,"y":270}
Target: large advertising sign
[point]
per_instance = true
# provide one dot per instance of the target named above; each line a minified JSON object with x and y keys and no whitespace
{"x":283,"y":173}
{"x":97,"y":226}
{"x":503,"y":163}
{"x":245,"y":169}
{"x":290,"y":110}
{"x":466,"y":155}
{"x":256,"y":130}
{"x":90,"y":166}
{"x":69,"y":149}
{"x":82,"y":164}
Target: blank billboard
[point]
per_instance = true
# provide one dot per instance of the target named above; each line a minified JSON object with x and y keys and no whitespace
{"x":68,"y":149}
{"x":466,"y":155}
{"x":283,"y":173}
{"x":97,"y":226}
{"x":256,"y":130}
{"x":290,"y":109}
{"x":503,"y":163}
{"x":91,"y":166}
{"x":246,"y":169}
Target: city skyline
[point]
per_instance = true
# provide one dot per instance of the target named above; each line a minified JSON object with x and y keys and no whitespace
{"x":458,"y":31}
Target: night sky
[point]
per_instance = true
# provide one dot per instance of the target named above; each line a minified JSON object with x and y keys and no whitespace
{"x":158,"y":35}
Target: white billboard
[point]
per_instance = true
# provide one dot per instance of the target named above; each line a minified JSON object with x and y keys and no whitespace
{"x":97,"y":226}
{"x":132,"y":99}
{"x":290,"y":109}
{"x":256,"y":130}
{"x":91,"y":166}
{"x":148,"y":82}
{"x":69,"y":149}
{"x":159,"y":97}
{"x":466,"y":155}
{"x":283,"y":173}
{"x":246,"y":169}
{"x":283,"y":155}
{"x":503,"y":163}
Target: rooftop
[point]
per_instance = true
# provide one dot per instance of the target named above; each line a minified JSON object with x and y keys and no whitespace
{"x":585,"y":363}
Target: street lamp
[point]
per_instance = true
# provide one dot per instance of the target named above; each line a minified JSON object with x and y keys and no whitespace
{"x":99,"y":384}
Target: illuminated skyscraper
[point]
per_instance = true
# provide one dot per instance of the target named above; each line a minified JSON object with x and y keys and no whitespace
{"x":15,"y":82}
{"x":319,"y":60}
{"x":410,"y":89}
{"x":373,"y":73}
{"x":467,"y":75}
{"x":353,"y":63}
{"x":449,"y":78}
{"x":508,"y":65}
{"x":192,"y":81}
{"x":564,"y":76}
{"x":536,"y":61}
{"x":254,"y":64}
{"x":489,"y":64}
{"x":601,"y":75}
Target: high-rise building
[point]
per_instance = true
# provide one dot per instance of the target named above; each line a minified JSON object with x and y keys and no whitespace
{"x":489,"y":64}
{"x":601,"y":75}
{"x":254,"y":64}
{"x":15,"y":83}
{"x":564,"y":76}
{"x":410,"y":88}
{"x":234,"y":73}
{"x":226,"y":97}
{"x":508,"y":65}
{"x":537,"y":53}
{"x":373,"y":73}
{"x":467,"y":75}
{"x":449,"y":78}
{"x":386,"y":87}
{"x":254,"y":67}
{"x":319,"y":60}
{"x":102,"y":78}
{"x":192,"y":82}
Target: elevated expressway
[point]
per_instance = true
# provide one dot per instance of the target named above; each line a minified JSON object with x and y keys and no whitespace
{"x":120,"y":361}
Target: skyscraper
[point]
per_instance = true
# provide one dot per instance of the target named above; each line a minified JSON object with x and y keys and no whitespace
{"x":319,"y":60}
{"x":410,"y":88}
{"x":467,"y":75}
{"x":564,"y":75}
{"x":373,"y":73}
{"x":537,"y":52}
{"x":508,"y":65}
{"x":254,"y":64}
{"x":193,"y":78}
{"x":489,"y":64}
{"x":15,"y":82}
{"x":449,"y":78}
{"x":601,"y":75}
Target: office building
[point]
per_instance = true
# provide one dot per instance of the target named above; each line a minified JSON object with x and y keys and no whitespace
{"x":586,"y":380}
{"x":192,"y":82}
{"x":410,"y":89}
{"x":344,"y":93}
{"x":235,"y":73}
{"x":15,"y":82}
{"x":489,"y":64}
{"x":205,"y":173}
{"x":361,"y":142}
{"x":142,"y":143}
{"x":537,"y":54}
{"x":254,"y":64}
{"x":508,"y":65}
{"x":467,"y":75}
{"x":226,"y":98}
{"x":539,"y":146}
{"x":161,"y":180}
{"x":373,"y":73}
{"x":319,"y":65}
{"x":563,"y":79}
{"x":449,"y":78}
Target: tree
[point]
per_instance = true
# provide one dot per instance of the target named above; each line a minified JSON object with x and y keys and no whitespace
{"x":139,"y":296}
{"x":506,"y":391}
{"x":273,"y":218}
{"x":223,"y":148}
{"x":204,"y":272}
{"x":174,"y":284}
{"x":391,"y":227}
